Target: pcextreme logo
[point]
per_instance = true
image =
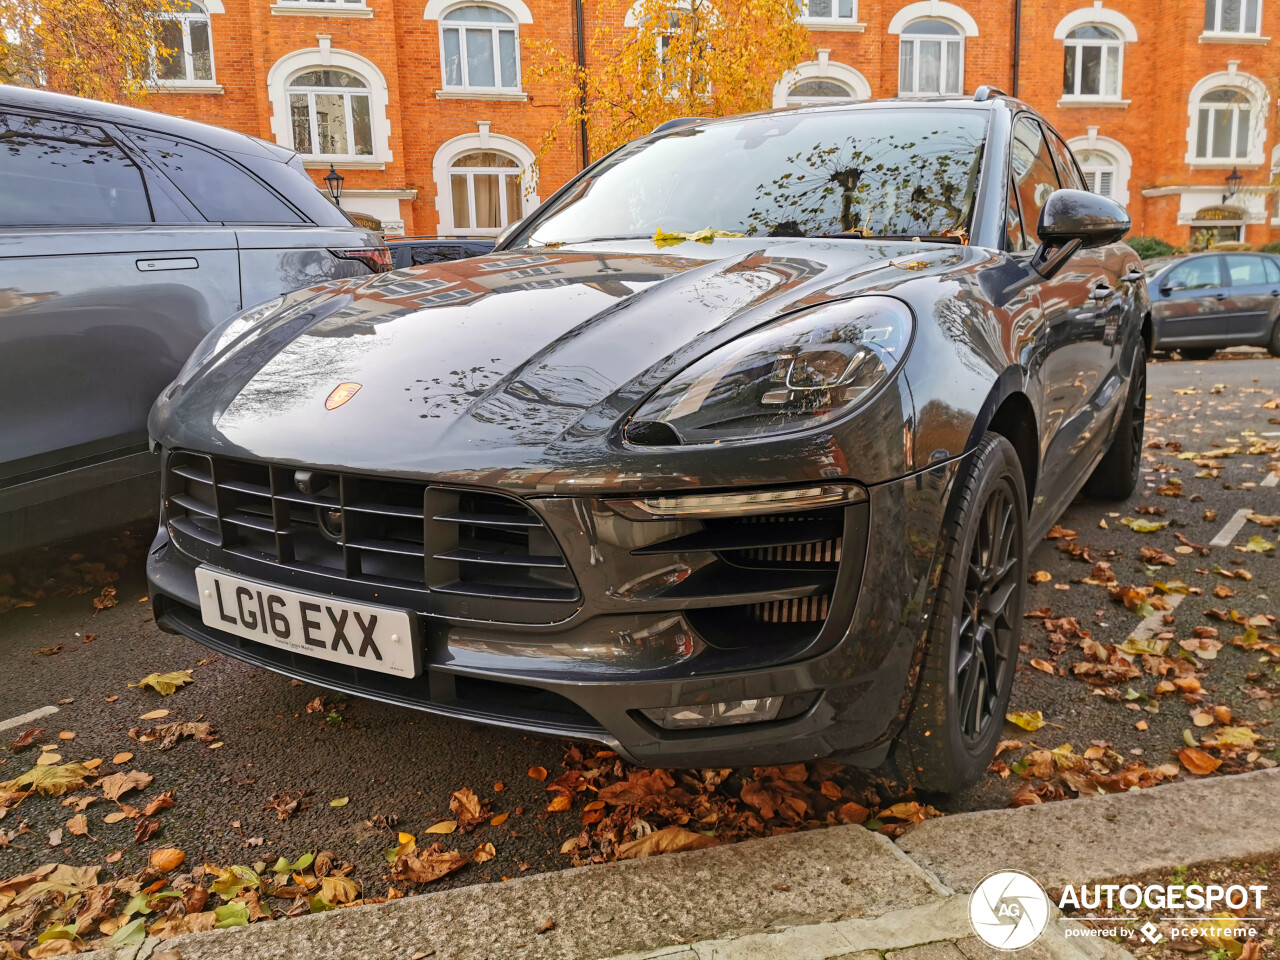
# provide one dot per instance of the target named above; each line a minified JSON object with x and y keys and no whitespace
{"x":1008,"y":910}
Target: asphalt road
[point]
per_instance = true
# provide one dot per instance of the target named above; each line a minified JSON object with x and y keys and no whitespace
{"x":399,"y":767}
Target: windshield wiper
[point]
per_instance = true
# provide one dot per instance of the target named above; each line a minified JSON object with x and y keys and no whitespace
{"x":922,"y":237}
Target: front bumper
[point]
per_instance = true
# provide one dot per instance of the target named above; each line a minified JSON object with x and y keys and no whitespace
{"x":592,"y":665}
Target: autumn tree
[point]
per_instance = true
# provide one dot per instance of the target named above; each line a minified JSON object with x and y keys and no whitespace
{"x":105,"y":49}
{"x":681,"y":58}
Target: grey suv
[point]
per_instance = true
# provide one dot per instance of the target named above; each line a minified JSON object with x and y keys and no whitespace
{"x":125,"y":237}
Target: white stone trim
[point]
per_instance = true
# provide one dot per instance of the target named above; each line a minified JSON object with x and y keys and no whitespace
{"x":482,"y":139}
{"x":1097,"y":14}
{"x":213,"y":6}
{"x":821,"y":69}
{"x":321,"y":10}
{"x":1117,"y":152}
{"x":934,"y":10}
{"x":517,"y":8}
{"x":325,"y":55}
{"x":1260,"y":118}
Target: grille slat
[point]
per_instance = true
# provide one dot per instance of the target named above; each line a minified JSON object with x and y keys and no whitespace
{"x":368,"y":529}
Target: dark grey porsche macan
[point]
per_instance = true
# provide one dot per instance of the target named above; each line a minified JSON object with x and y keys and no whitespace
{"x":763,"y":498}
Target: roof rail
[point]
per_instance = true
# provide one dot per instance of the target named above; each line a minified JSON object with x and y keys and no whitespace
{"x":677,"y":122}
{"x":988,"y":92}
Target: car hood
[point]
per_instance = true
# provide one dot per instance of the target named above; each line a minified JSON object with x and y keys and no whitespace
{"x":501,"y":359}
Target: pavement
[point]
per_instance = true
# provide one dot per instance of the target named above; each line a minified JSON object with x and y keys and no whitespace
{"x":844,"y":893}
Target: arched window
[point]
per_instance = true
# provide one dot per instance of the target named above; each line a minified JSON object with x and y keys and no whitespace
{"x":1223,"y":125}
{"x":329,"y":114}
{"x":184,"y":31}
{"x":930,"y":59}
{"x":1232,"y":16}
{"x":1100,"y":171}
{"x":1094,"y":59}
{"x":484,"y":187}
{"x":480,"y":49}
{"x":818,"y":91}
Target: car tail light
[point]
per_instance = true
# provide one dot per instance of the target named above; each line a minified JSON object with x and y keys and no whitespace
{"x":377,"y":259}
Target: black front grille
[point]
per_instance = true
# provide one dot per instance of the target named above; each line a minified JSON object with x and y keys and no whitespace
{"x":392,"y":533}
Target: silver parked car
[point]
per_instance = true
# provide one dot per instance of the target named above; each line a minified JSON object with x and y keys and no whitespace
{"x":1206,"y":301}
{"x":125,"y":237}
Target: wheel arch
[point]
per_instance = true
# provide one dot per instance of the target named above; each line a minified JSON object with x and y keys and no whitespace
{"x":1008,"y":411}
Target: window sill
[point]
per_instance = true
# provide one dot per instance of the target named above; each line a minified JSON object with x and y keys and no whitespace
{"x":321,"y":10}
{"x":833,"y":26}
{"x":1077,"y":102}
{"x":514,"y":96}
{"x":185,"y":87}
{"x":340,"y":163}
{"x":1252,"y":38}
{"x":1197,"y":163}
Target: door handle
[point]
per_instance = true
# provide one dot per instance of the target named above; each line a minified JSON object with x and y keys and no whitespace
{"x":168,"y":263}
{"x":1133,"y":276}
{"x":1101,"y":292}
{"x":1275,"y":293}
{"x":1219,"y":296}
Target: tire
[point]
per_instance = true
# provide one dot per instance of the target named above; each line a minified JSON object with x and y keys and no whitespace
{"x":1273,"y":345}
{"x":1116,"y":475}
{"x":1196,"y":353}
{"x":967,"y":676}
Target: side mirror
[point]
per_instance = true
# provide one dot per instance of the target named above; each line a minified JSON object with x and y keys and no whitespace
{"x":1079,"y":215}
{"x":1171,"y":285}
{"x":1070,"y":220}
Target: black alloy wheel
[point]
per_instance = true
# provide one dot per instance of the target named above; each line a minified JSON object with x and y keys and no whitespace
{"x":985,"y":638}
{"x":972,"y":644}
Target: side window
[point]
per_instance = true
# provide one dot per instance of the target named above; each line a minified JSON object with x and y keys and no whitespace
{"x":1033,"y":173}
{"x":1198,"y":274}
{"x":54,"y":173}
{"x":1273,"y":271}
{"x":1068,"y":173}
{"x":219,"y":189}
{"x":1013,"y":221}
{"x":1245,"y":271}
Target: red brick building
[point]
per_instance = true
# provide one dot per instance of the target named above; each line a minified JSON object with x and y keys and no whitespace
{"x":430,"y":111}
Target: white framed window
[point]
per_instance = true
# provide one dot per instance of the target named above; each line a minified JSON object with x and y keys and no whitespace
{"x":930,"y":59}
{"x":1242,"y":17}
{"x":324,"y":3}
{"x":1093,"y":63}
{"x":186,"y":32}
{"x":480,"y":49}
{"x":818,"y":91}
{"x":485,"y":191}
{"x":329,"y":114}
{"x":1100,"y":171}
{"x":835,"y":12}
{"x":1223,"y":125}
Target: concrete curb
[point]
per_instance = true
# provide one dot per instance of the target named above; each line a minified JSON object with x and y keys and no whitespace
{"x":842,"y":890}
{"x":1222,"y":818}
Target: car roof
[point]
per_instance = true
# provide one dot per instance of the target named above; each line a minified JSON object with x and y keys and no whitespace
{"x":24,"y":98}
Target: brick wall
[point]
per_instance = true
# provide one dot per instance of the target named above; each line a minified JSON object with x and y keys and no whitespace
{"x":1148,"y":120}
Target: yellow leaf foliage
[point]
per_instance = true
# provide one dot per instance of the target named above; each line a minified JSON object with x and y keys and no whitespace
{"x":683,"y":58}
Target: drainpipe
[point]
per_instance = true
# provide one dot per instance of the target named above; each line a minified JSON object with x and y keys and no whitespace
{"x":582,"y":66}
{"x":1018,"y":40}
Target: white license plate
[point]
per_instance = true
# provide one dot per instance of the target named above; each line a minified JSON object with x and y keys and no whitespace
{"x":355,"y":634}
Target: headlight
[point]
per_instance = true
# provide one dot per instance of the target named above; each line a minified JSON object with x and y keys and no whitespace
{"x":802,"y":371}
{"x":221,"y":337}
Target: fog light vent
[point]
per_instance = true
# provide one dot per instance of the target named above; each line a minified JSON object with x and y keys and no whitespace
{"x":799,"y":610}
{"x":728,"y":713}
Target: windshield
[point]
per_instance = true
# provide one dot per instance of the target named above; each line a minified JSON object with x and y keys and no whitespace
{"x":906,"y":172}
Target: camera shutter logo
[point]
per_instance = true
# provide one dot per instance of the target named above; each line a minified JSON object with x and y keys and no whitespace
{"x":1008,"y":910}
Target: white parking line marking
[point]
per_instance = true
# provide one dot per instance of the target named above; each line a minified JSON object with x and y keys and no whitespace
{"x":1227,"y":533}
{"x":1153,"y":624}
{"x":1273,"y":433}
{"x":1271,"y":480}
{"x":27,"y":718}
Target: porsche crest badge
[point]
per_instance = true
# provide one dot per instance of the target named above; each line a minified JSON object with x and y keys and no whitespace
{"x":340,"y":395}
